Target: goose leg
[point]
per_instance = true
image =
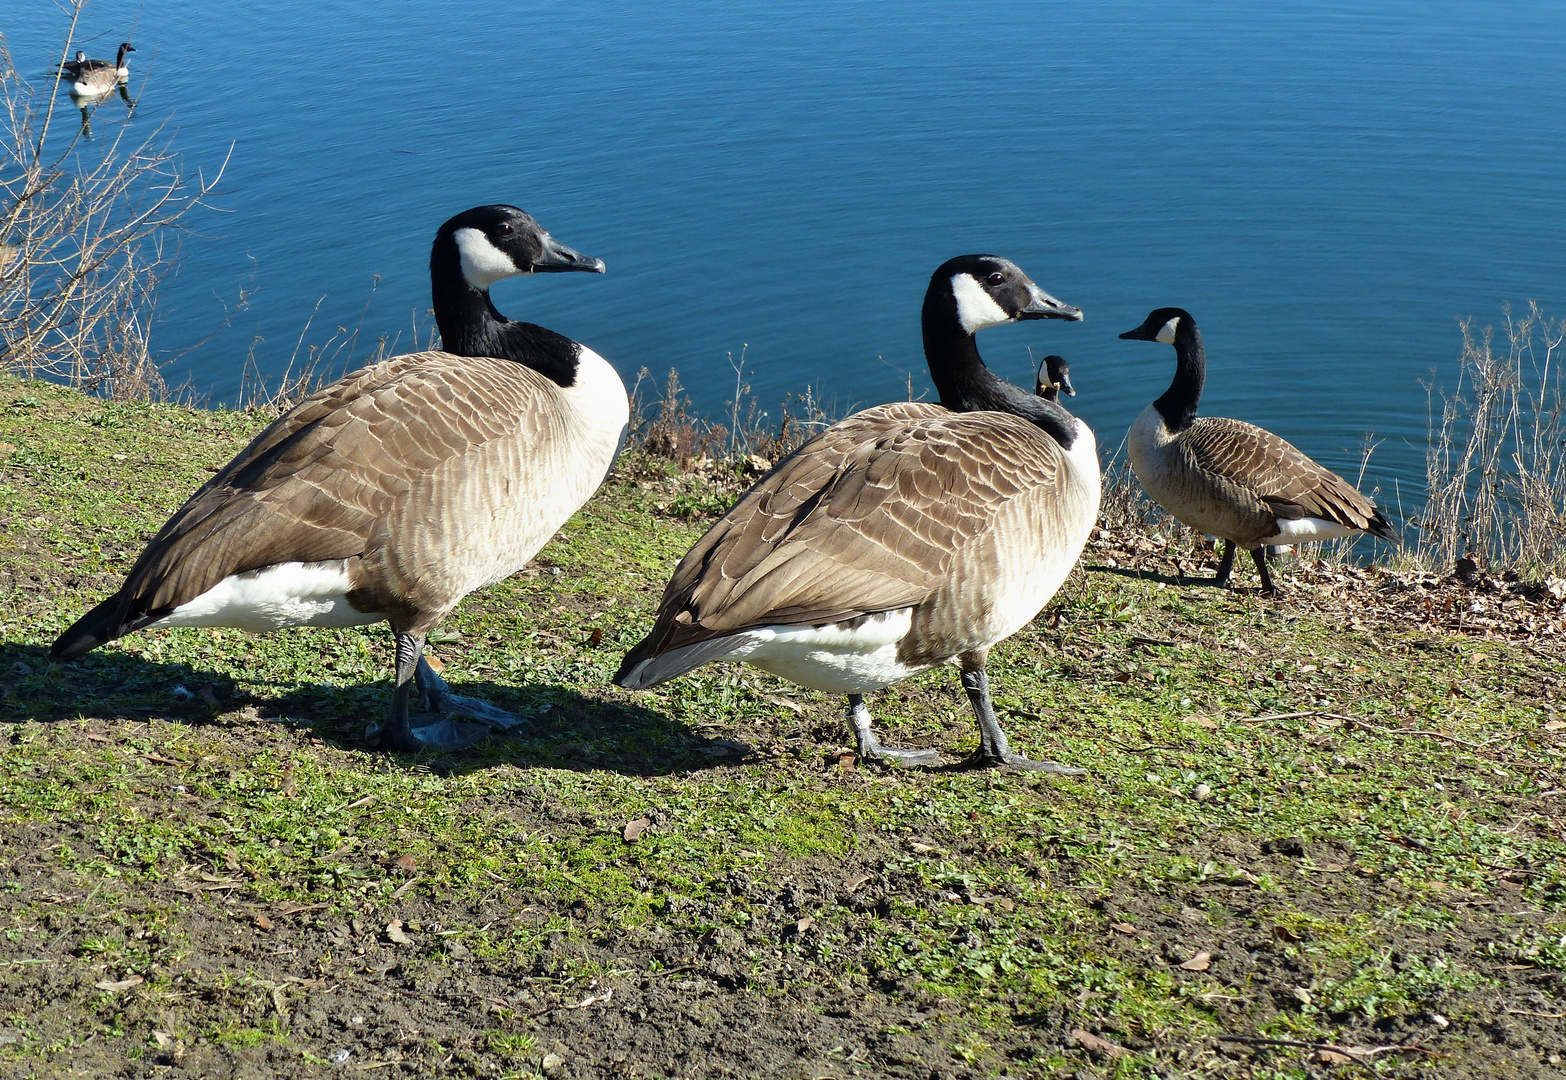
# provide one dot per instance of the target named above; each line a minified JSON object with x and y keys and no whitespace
{"x":870,"y":746}
{"x":1225,"y":564}
{"x":1267,"y":587}
{"x":993,"y":748}
{"x":397,"y":733}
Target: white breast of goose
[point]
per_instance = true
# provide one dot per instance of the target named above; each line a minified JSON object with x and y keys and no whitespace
{"x":1006,"y":576}
{"x":501,"y":503}
{"x":1173,"y":480}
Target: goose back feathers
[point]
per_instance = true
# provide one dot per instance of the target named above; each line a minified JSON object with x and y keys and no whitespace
{"x":92,"y":77}
{"x":906,"y":508}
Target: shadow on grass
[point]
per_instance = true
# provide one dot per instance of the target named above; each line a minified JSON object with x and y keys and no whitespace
{"x":1149,"y":575}
{"x":566,"y":729}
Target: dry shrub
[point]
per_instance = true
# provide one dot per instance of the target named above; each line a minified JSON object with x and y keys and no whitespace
{"x":1495,"y":465}
{"x":86,"y":235}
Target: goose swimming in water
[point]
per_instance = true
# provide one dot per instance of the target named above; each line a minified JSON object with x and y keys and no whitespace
{"x":1230,"y":479}
{"x":396,"y":491}
{"x":94,"y":78}
{"x":904,"y":537}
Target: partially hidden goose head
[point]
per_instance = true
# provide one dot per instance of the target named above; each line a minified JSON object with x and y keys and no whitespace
{"x":1053,"y":379}
{"x":394,"y":492}
{"x":1230,"y":479}
{"x":904,"y":537}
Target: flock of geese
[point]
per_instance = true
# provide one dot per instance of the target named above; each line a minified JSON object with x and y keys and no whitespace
{"x":907,"y":536}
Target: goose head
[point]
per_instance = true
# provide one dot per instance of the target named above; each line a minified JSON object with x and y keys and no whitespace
{"x":488,"y":243}
{"x":1161,"y":325}
{"x":1054,"y":378}
{"x":973,"y":292}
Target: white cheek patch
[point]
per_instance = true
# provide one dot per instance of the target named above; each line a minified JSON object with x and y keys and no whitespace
{"x":976,"y":309}
{"x":1167,"y":332}
{"x":483,"y":263}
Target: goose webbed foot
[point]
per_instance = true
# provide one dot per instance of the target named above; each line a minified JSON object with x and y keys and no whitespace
{"x":437,"y":731}
{"x":994,"y":751}
{"x":438,"y":698}
{"x":870,"y":746}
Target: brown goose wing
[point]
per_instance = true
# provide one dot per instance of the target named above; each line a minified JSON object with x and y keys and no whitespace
{"x":320,"y":482}
{"x":1272,"y":470}
{"x":866,"y":517}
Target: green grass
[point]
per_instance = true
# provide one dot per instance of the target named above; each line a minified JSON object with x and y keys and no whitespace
{"x":1351,"y":875}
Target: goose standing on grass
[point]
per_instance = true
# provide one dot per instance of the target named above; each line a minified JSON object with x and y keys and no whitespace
{"x":1230,"y":479}
{"x":906,"y":536}
{"x":1053,"y":379}
{"x":396,"y":491}
{"x":94,"y":78}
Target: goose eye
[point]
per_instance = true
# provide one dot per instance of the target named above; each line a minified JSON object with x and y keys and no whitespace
{"x":997,"y":278}
{"x":504,"y":228}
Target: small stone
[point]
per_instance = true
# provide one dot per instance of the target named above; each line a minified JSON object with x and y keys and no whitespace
{"x":1203,"y":792}
{"x":341,"y":1057}
{"x":1440,"y":1021}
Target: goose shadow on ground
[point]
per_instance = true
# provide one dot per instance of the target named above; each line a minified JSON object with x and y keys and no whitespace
{"x":566,"y":730}
{"x":1181,"y":580}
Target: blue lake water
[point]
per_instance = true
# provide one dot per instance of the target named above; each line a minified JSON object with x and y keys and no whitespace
{"x":1327,"y":186}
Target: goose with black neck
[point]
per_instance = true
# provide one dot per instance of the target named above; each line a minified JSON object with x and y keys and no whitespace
{"x":1230,"y":479}
{"x":399,"y":489}
{"x":907,"y":536}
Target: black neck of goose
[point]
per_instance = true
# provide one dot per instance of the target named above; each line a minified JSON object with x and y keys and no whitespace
{"x":471,"y":325}
{"x":966,"y":385}
{"x":1177,"y":404}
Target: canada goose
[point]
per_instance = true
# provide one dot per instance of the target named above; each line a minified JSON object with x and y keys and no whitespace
{"x":1231,"y":479}
{"x":1053,"y":379}
{"x":399,"y":489}
{"x":906,"y":536}
{"x":92,"y":78}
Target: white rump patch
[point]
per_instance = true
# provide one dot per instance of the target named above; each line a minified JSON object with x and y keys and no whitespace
{"x":483,"y":263}
{"x":836,"y":658}
{"x":287,"y":594}
{"x":1304,"y":530}
{"x":1166,"y":333}
{"x":976,"y":309}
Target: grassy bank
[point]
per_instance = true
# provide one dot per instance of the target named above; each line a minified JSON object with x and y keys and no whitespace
{"x":1319,"y":834}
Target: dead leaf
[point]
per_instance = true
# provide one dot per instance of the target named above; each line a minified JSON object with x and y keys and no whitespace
{"x":793,"y":706}
{"x":804,"y":924}
{"x":1283,"y":933}
{"x":845,"y":760}
{"x":123,"y":984}
{"x":1122,"y":928}
{"x":405,"y":863}
{"x":163,"y":1039}
{"x":1509,"y":886}
{"x":854,"y":882}
{"x":206,"y":694}
{"x":596,"y":637}
{"x":395,"y":935}
{"x":1200,"y":962}
{"x":1088,"y":1041}
{"x":1204,"y":722}
{"x":231,"y":860}
{"x":635,"y":828}
{"x":1555,"y":725}
{"x":1332,"y":1057}
{"x":263,"y":922}
{"x":435,"y":663}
